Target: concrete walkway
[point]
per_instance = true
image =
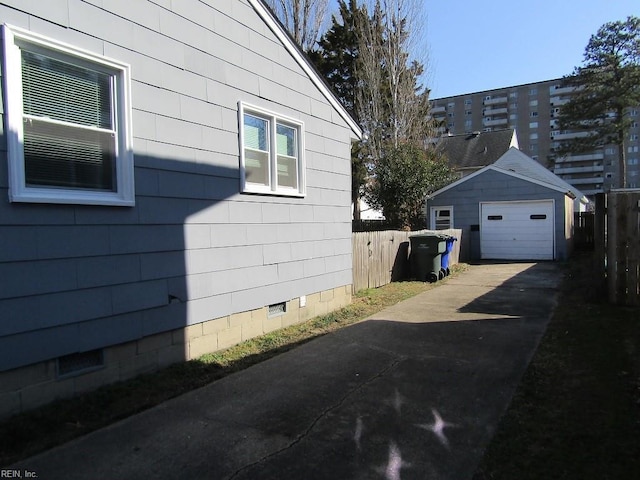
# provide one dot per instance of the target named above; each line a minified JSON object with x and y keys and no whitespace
{"x":414,"y":392}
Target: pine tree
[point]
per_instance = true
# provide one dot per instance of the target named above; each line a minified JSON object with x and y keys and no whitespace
{"x":605,"y":88}
{"x":336,"y":57}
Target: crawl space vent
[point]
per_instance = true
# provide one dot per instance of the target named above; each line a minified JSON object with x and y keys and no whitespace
{"x":277,"y":309}
{"x":78,"y":363}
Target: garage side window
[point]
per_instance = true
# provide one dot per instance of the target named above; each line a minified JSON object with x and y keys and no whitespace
{"x":272,"y":153}
{"x":441,"y":218}
{"x":69,"y":135}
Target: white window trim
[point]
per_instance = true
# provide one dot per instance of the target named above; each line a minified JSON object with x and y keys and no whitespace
{"x":18,"y":190}
{"x":272,"y":188}
{"x":433,"y":213}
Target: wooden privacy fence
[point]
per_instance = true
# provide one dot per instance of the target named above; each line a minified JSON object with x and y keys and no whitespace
{"x":382,"y":257}
{"x":618,"y":244}
{"x":583,"y":224}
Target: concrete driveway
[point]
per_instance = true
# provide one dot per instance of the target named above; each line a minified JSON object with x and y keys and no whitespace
{"x":414,"y":392}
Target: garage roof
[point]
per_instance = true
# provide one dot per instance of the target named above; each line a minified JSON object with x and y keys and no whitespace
{"x":518,"y":165}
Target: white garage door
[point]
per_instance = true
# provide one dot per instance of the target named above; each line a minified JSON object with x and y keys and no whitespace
{"x":517,"y":230}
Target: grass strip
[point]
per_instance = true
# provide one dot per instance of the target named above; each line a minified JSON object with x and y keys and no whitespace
{"x":576,"y":412}
{"x":28,"y":433}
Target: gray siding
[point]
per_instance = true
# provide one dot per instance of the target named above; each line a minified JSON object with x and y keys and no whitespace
{"x":193,"y":248}
{"x":492,"y":186}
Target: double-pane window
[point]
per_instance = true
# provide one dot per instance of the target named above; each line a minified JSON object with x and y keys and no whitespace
{"x":68,"y":113}
{"x":272,"y":153}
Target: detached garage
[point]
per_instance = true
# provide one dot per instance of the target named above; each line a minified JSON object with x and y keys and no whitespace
{"x":514,"y":209}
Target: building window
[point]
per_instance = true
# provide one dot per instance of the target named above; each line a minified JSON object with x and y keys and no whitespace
{"x":533,"y":91}
{"x":609,"y":151}
{"x":513,"y":116}
{"x":69,"y":130}
{"x":467,"y":101}
{"x":513,"y":95}
{"x":632,"y":161}
{"x":533,"y":124}
{"x":533,"y":136}
{"x":441,"y":218}
{"x":633,"y":137}
{"x":533,"y":114}
{"x":533,"y":103}
{"x":632,"y":149}
{"x":633,"y":113}
{"x":467,"y":112}
{"x":272,"y":159}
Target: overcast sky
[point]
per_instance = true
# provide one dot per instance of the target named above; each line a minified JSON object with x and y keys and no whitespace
{"x":478,"y":45}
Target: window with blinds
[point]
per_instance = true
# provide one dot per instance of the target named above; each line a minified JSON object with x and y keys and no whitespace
{"x":69,"y":130}
{"x":69,"y":118}
{"x":272,"y":155}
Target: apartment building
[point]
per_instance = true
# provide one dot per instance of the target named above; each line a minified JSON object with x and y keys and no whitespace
{"x":533,"y":110}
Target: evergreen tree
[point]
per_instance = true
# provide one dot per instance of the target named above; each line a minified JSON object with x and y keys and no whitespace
{"x":336,"y":57}
{"x":605,"y":88}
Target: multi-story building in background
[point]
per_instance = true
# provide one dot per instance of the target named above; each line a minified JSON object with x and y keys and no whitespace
{"x":533,"y":110}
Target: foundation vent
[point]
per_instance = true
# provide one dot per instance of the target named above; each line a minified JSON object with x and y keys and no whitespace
{"x":277,"y":309}
{"x":79,"y":363}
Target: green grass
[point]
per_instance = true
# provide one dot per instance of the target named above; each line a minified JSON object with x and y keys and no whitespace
{"x":576,"y":413}
{"x":29,"y":433}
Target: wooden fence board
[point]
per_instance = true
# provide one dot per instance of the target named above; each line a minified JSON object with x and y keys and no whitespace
{"x":381,"y":256}
{"x":623,"y":247}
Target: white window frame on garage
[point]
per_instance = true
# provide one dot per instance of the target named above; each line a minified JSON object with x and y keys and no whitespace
{"x":69,"y":142}
{"x":271,"y":145}
{"x":435,"y":213}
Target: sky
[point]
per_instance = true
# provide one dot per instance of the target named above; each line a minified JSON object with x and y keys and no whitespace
{"x":476,"y":45}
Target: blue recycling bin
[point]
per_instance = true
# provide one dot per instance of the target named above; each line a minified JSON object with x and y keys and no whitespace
{"x":446,"y":254}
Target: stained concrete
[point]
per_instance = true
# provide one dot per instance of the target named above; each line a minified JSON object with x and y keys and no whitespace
{"x":414,"y":392}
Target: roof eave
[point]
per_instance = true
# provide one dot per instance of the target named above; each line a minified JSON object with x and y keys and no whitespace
{"x":301,"y":58}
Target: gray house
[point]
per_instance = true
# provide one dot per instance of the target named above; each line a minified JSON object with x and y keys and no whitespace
{"x":175,"y":179}
{"x":513,"y":209}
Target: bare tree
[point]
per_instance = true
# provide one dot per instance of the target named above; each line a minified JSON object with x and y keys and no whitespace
{"x":303,"y":18}
{"x":393,"y":105}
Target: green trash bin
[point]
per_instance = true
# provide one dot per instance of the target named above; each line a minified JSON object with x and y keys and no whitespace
{"x":426,"y":256}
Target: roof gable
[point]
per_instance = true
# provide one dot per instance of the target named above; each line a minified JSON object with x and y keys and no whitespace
{"x":503,"y":171}
{"x":290,"y":45}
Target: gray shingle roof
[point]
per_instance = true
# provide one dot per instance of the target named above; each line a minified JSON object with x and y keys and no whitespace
{"x":476,"y":150}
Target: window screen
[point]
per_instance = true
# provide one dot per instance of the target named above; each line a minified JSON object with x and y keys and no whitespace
{"x":287,"y":156}
{"x":256,"y":149}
